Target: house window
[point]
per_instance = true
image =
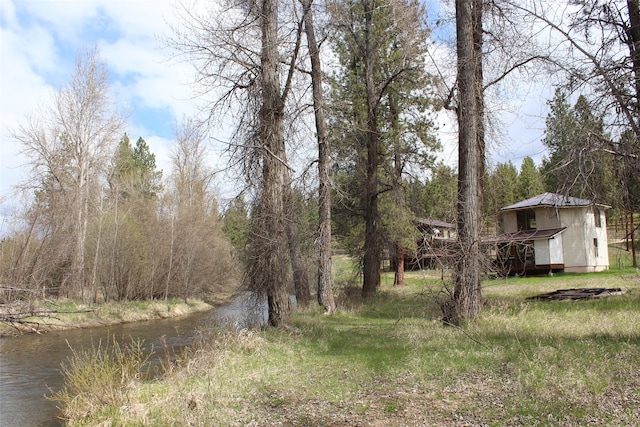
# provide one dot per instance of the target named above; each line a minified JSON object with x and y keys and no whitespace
{"x":597,"y":217}
{"x":526,"y":220}
{"x":595,"y":246}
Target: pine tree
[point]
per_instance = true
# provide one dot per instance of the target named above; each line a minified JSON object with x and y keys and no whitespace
{"x":378,"y":112}
{"x":578,"y":162}
{"x":529,"y":180}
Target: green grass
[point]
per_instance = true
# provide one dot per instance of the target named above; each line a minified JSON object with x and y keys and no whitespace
{"x":391,"y":362}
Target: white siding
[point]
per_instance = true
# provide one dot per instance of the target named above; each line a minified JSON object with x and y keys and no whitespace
{"x":576,"y":246}
{"x":574,"y":239}
{"x":602,"y":261}
{"x":555,"y":250}
{"x":541,"y":248}
{"x":579,"y":247}
{"x":549,"y":251}
{"x":589,"y":227}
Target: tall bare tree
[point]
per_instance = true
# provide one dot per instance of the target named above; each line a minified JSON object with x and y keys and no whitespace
{"x":199,"y":255}
{"x":466,"y":300}
{"x":68,"y":147}
{"x":238,"y":49}
{"x":268,"y":238}
{"x":325,"y":286}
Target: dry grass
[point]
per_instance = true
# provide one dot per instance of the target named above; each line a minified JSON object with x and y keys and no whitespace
{"x":390,"y":362}
{"x":99,"y":377}
{"x":69,"y":314}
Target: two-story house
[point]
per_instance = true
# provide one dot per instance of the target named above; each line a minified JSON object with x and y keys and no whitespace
{"x":552,"y":232}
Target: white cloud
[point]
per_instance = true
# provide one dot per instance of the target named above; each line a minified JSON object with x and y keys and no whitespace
{"x":22,"y":87}
{"x":64,"y":19}
{"x":147,"y":79}
{"x":38,"y":43}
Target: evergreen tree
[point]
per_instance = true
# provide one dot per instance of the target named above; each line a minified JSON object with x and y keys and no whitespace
{"x":440,"y":194}
{"x":145,"y":162}
{"x":529,"y":180}
{"x":379,"y":115}
{"x":129,"y":270}
{"x":134,"y":170}
{"x":500,"y":188}
{"x":627,"y":173}
{"x":559,"y":134}
{"x":578,"y":162}
{"x":235,"y":224}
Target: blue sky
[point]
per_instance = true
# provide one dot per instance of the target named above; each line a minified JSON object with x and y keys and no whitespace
{"x":39,"y":40}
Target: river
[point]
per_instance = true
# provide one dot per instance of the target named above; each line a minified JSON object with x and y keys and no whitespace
{"x":30,"y":365}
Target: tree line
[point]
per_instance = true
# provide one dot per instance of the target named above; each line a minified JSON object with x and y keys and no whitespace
{"x":341,"y":94}
{"x":100,"y":223}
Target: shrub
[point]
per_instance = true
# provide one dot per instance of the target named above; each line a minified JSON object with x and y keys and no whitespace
{"x":100,"y":376}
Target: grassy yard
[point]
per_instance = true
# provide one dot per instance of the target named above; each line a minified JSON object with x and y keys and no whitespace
{"x":391,"y":362}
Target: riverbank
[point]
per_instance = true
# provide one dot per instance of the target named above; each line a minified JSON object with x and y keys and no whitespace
{"x":389,"y":361}
{"x":44,"y":316}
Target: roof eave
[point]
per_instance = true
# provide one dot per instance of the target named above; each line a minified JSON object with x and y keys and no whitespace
{"x":600,"y":205}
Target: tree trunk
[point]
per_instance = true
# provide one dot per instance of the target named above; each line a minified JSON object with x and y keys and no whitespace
{"x":626,"y":232}
{"x":82,"y":213}
{"x":168,"y":282}
{"x":394,"y":118}
{"x":325,"y":287}
{"x":633,"y":7}
{"x":633,"y":243}
{"x":371,"y":261}
{"x":479,"y":92}
{"x":96,"y":258}
{"x":398,"y":279}
{"x":267,"y":263}
{"x":187,"y":278}
{"x":113,"y":262}
{"x":467,"y":296}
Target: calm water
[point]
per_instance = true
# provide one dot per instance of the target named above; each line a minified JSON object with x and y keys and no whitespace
{"x":30,"y":364}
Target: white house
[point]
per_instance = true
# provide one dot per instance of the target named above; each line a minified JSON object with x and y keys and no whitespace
{"x":552,"y":232}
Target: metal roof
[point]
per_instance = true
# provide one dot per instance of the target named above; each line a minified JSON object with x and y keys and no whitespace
{"x":522,"y":236}
{"x":552,"y":200}
{"x":428,"y":222}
